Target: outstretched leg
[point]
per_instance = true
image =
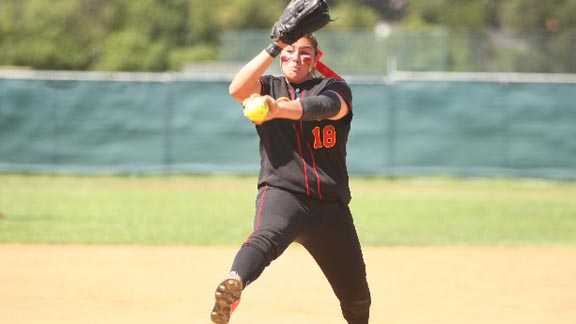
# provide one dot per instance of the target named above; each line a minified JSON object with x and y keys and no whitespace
{"x":280,"y":218}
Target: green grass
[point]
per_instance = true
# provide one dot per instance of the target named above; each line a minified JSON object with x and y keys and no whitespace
{"x":465,"y":212}
{"x":218,"y":210}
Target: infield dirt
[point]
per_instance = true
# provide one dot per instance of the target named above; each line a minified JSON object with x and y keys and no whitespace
{"x":152,"y":285}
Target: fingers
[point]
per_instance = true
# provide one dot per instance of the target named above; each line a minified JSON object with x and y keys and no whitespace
{"x":252,"y":96}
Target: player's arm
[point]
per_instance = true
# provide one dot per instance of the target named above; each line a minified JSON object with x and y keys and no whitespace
{"x":247,"y":80}
{"x":344,"y":109}
{"x":328,"y":105}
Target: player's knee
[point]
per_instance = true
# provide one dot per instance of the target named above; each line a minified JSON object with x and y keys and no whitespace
{"x":357,"y":311}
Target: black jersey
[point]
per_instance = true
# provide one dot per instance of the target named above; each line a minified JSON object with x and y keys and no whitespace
{"x":305,"y":157}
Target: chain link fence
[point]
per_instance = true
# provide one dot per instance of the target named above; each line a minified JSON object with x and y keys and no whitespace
{"x":385,"y":50}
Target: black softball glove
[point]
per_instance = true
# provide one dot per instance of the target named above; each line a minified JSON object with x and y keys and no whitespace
{"x":300,"y":17}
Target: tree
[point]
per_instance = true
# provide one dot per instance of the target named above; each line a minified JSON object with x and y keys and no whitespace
{"x":156,"y":35}
{"x":350,"y":16}
{"x":546,"y":16}
{"x":39,"y":35}
{"x":388,"y":10}
{"x":544,"y":34}
{"x":472,"y":14}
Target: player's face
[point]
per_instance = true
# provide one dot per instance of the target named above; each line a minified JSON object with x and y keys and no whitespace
{"x":297,"y":61}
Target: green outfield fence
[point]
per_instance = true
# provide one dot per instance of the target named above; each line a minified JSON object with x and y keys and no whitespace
{"x":520,"y":125}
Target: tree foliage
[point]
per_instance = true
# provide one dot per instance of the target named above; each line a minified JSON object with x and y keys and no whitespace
{"x":159,"y":35}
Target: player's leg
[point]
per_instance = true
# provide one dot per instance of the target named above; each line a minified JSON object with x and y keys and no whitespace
{"x":279,"y":219}
{"x":336,"y":249}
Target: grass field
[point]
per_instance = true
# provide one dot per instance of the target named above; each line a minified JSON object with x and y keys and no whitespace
{"x":437,"y":250}
{"x":218,"y":210}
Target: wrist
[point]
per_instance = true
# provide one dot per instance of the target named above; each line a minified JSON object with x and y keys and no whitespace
{"x":273,"y":50}
{"x":280,"y":43}
{"x":289,"y":109}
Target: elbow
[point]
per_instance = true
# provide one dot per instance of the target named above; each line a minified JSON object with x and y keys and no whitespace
{"x":241,"y":90}
{"x":232,"y":90}
{"x":235,"y":92}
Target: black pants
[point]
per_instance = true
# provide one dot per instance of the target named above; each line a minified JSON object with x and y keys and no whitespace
{"x":325,"y":229}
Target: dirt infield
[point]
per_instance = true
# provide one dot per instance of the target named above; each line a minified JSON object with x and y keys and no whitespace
{"x":145,"y":285}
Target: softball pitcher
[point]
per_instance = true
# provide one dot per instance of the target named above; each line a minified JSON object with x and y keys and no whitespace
{"x":303,"y":191}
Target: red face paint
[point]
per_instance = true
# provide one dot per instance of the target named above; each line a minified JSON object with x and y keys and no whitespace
{"x":303,"y":55}
{"x":298,"y":60}
{"x":285,"y":57}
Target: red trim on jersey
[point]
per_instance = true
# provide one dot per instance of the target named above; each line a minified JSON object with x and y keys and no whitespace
{"x":302,"y":156}
{"x":259,"y":214}
{"x":261,"y":207}
{"x":315,"y":171}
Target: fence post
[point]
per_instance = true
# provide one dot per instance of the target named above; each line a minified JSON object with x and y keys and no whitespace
{"x":167,"y":127}
{"x":392,"y":129}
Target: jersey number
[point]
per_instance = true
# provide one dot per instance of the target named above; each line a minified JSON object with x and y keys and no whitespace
{"x":325,"y":137}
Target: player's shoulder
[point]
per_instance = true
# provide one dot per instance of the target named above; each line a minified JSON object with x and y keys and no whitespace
{"x":271,"y":83}
{"x":335,"y":83}
{"x":271,"y":79}
{"x":338,"y":85}
{"x":325,"y":84}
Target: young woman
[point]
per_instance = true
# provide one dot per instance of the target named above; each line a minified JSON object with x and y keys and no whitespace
{"x":303,"y":191}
